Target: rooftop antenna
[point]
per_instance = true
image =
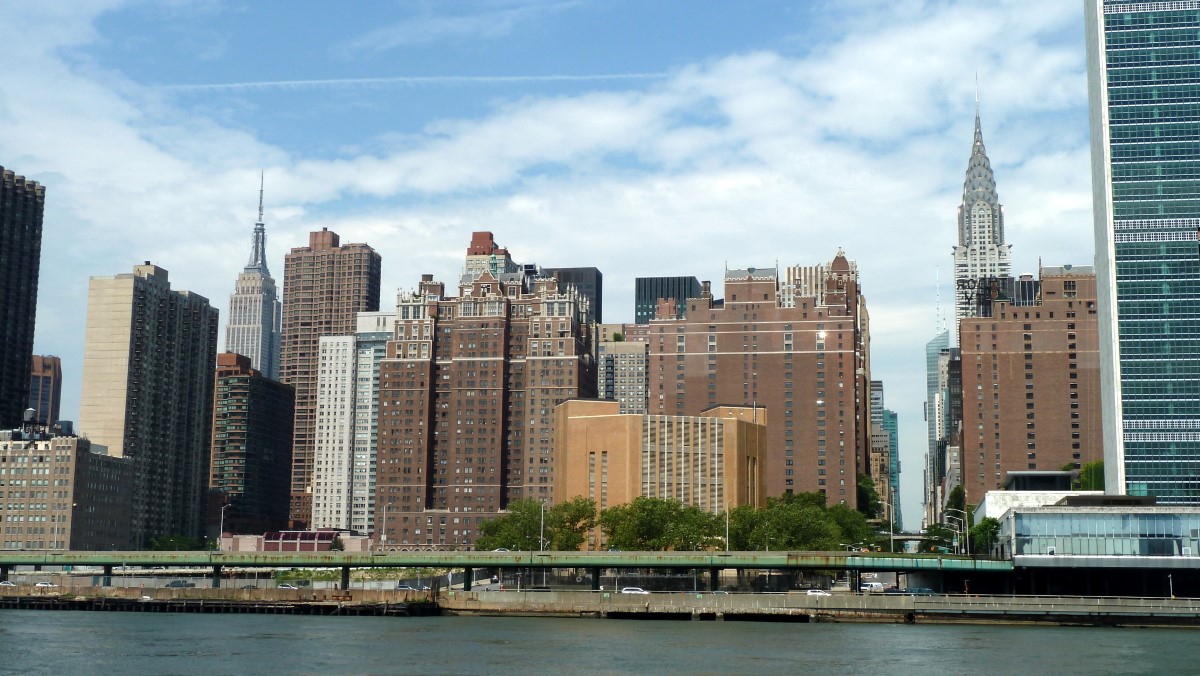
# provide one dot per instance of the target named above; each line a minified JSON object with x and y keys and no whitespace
{"x":261,"y":175}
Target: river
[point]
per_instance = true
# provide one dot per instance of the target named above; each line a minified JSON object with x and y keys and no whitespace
{"x":76,"y":643}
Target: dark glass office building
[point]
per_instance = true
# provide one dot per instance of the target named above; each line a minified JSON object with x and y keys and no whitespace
{"x":648,"y":290}
{"x":1144,"y":85}
{"x":21,"y":205}
{"x":589,"y":282}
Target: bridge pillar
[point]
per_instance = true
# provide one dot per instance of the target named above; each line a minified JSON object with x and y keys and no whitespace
{"x":468,"y":577}
{"x":4,"y":570}
{"x":345,"y":577}
{"x":107,"y":576}
{"x":216,"y":577}
{"x":714,"y":579}
{"x":594,"y":573}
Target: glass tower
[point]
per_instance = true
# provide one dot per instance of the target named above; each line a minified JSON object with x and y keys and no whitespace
{"x":1144,"y":84}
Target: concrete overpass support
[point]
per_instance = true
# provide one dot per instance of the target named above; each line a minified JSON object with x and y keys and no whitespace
{"x":468,"y":578}
{"x":594,"y":573}
{"x":216,"y":577}
{"x":345,"y":577}
{"x":714,"y":579}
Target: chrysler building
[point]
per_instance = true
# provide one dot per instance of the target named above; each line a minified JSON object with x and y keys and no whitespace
{"x":981,"y":254}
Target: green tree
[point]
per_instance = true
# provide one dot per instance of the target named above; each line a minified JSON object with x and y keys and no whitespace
{"x":567,"y":523}
{"x":984,"y":535}
{"x":1091,"y":477}
{"x":868,"y":498}
{"x":956,"y":499}
{"x":336,"y":545}
{"x":658,"y":524}
{"x":516,"y":529}
{"x":853,"y":525}
{"x":938,"y":537}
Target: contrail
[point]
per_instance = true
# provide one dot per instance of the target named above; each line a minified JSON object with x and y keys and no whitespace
{"x":411,"y":80}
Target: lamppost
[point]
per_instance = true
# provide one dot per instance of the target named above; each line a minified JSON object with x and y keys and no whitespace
{"x":960,"y":528}
{"x":966,"y":530}
{"x":542,"y":540}
{"x":383,"y":528}
{"x":221,"y":528}
{"x":726,"y":526}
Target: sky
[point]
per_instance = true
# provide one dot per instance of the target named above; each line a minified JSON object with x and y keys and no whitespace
{"x":643,"y":138}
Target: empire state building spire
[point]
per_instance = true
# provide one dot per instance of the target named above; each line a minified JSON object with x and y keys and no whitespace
{"x":981,"y":254}
{"x":258,"y":255}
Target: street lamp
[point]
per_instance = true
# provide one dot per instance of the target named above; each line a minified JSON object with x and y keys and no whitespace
{"x":221,"y":528}
{"x":961,"y":526}
{"x":542,"y":540}
{"x":383,"y":528}
{"x":966,"y":531}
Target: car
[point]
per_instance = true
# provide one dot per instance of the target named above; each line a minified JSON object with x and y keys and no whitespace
{"x":287,"y":586}
{"x":817,"y":592}
{"x":6,"y":583}
{"x":45,"y":584}
{"x":249,"y":586}
{"x":919,"y":591}
{"x":633,"y":590}
{"x":495,"y":579}
{"x":405,"y":587}
{"x":719,"y":591}
{"x":871,"y":587}
{"x":179,"y":584}
{"x":500,"y":549}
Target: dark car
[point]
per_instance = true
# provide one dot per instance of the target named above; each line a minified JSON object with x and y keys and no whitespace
{"x":179,"y":584}
{"x":919,"y":591}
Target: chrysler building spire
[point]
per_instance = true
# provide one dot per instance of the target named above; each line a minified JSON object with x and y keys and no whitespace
{"x":981,"y":254}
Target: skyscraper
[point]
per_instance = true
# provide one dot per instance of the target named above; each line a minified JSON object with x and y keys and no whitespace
{"x":326,"y":284}
{"x":648,"y":291}
{"x":21,"y":205}
{"x":1145,"y":130}
{"x":148,"y":393}
{"x":251,"y":448}
{"x":255,"y":313}
{"x":45,"y":389}
{"x":589,"y":281}
{"x":468,"y":392}
{"x":981,"y":253}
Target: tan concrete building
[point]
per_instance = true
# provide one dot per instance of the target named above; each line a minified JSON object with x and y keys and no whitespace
{"x":326,"y":284}
{"x":709,"y":460}
{"x":1031,"y":383}
{"x":148,"y":361}
{"x":56,"y":494}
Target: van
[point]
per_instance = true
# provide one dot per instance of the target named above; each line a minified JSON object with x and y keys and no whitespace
{"x":872,"y":587}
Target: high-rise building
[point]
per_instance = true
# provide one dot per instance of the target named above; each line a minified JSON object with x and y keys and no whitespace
{"x":589,"y":282}
{"x":326,"y":284}
{"x":467,"y":392}
{"x":148,"y":394}
{"x":255,"y":314}
{"x":710,"y":460}
{"x":891,"y":424}
{"x":346,"y":441}
{"x":1031,"y":383}
{"x":45,"y":389}
{"x":621,"y":374}
{"x":798,"y":349}
{"x":251,"y":448}
{"x":89,"y":506}
{"x":934,"y":419}
{"x":1145,"y":129}
{"x":648,"y":291}
{"x":981,"y":254}
{"x":21,"y":205}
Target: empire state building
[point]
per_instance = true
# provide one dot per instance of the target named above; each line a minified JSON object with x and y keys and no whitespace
{"x":981,"y":254}
{"x":255,"y":313}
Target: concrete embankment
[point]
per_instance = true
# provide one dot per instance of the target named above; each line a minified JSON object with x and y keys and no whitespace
{"x":789,"y":607}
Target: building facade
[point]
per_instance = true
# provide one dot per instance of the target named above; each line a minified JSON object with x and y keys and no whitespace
{"x":799,"y":352}
{"x":255,"y":313}
{"x":21,"y":205}
{"x":251,"y":454}
{"x":467,"y":395}
{"x":648,"y":291}
{"x":45,"y":389}
{"x":1031,"y":383}
{"x":981,"y":253}
{"x":147,"y":394}
{"x":621,"y":374}
{"x":85,"y":506}
{"x":326,"y":285}
{"x":347,"y":435}
{"x":589,"y":282}
{"x":710,"y":460}
{"x":1145,"y":120}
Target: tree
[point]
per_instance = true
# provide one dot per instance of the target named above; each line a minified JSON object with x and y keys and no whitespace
{"x":658,"y":524}
{"x":868,"y":498}
{"x":567,"y":523}
{"x":956,"y":500}
{"x":1091,"y":477}
{"x":517,"y":529}
{"x":853,"y":525}
{"x":938,"y":537}
{"x":984,"y":535}
{"x":336,"y":545}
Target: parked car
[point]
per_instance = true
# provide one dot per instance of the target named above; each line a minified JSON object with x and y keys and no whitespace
{"x":45,"y":584}
{"x":179,"y":584}
{"x":6,"y":583}
{"x":817,"y":592}
{"x":287,"y":586}
{"x":500,"y":549}
{"x":633,"y":590}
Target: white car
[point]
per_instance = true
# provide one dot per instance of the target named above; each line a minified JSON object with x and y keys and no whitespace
{"x":6,"y":583}
{"x":633,"y":590}
{"x":817,"y":592}
{"x":45,"y":584}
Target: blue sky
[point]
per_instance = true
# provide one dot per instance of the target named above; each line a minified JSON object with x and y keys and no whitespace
{"x":644,"y":138}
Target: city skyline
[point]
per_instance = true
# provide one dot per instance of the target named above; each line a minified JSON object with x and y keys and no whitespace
{"x":812,"y":126}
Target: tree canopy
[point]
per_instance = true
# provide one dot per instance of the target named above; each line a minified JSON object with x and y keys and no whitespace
{"x":868,"y":498}
{"x":519,"y":529}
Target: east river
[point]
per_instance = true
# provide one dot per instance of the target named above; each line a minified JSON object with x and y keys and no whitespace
{"x":57,"y":642}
